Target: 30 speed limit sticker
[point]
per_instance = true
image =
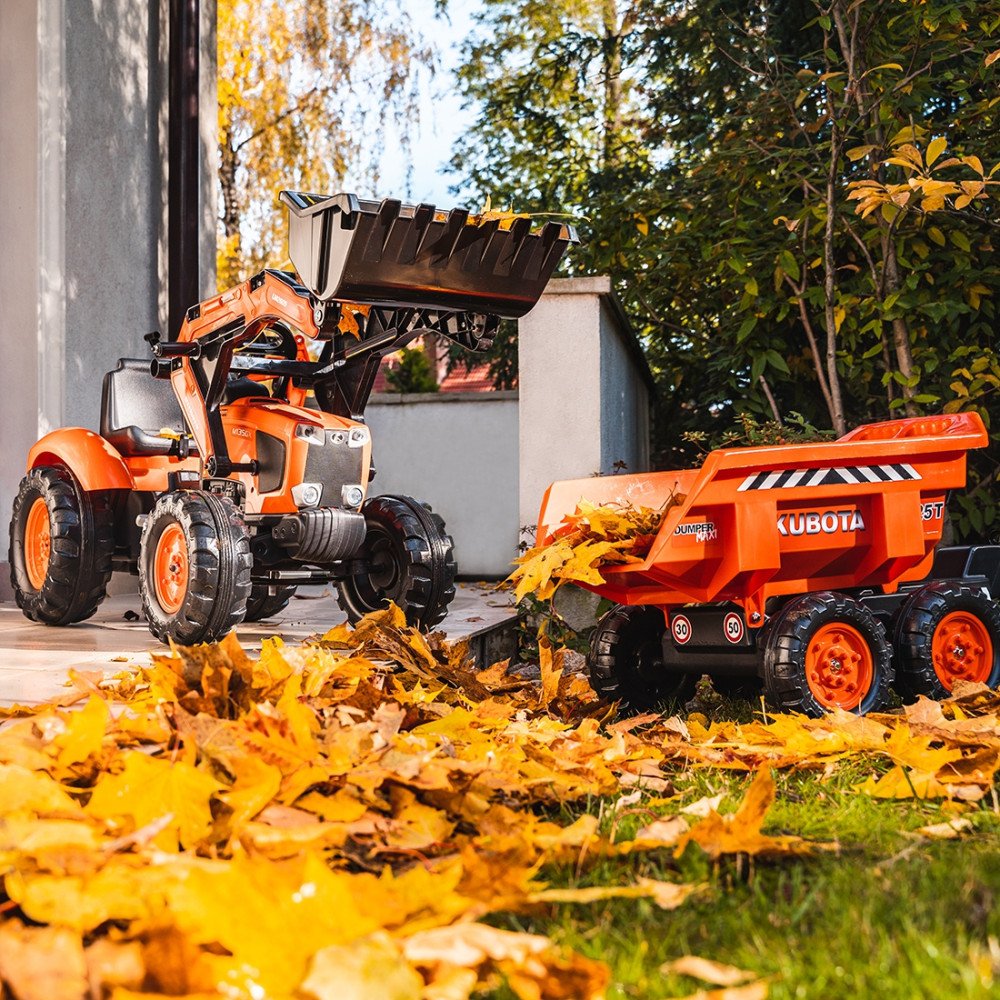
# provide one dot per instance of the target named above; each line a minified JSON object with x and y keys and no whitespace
{"x":681,"y":629}
{"x":733,"y":628}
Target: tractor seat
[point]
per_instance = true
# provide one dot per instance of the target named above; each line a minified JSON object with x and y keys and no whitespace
{"x":135,"y":407}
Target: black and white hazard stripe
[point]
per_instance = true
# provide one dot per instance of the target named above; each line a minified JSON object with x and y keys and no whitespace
{"x":854,"y":475}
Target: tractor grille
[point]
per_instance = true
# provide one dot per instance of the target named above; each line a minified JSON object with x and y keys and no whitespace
{"x":333,"y":465}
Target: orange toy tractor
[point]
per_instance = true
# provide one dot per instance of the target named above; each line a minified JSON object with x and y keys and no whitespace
{"x":813,"y":566}
{"x":235,"y":465}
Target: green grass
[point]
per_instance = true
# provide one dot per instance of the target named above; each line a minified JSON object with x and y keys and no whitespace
{"x":892,"y":916}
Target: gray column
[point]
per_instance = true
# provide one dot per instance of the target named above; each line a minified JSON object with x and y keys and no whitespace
{"x":82,"y":207}
{"x":19,"y":274}
{"x":584,"y":389}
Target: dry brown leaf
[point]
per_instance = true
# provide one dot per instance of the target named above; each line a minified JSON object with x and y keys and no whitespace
{"x":740,"y":833}
{"x":707,"y":971}
{"x":666,"y":895}
{"x":42,"y":963}
{"x":751,"y":991}
{"x":234,"y":817}
{"x":946,"y":831}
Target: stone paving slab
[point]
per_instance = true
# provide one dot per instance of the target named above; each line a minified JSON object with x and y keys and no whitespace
{"x":35,"y":659}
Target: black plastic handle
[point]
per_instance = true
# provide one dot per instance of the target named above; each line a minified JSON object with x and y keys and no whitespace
{"x":177,"y":349}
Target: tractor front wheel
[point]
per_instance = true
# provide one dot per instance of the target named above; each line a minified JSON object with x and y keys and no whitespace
{"x":947,"y":632}
{"x":626,"y":660}
{"x":407,"y":558}
{"x":826,"y":651}
{"x":194,"y":567}
{"x":61,"y":542}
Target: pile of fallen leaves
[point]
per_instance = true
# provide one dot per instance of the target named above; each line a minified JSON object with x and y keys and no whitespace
{"x":591,"y":537}
{"x":335,"y":820}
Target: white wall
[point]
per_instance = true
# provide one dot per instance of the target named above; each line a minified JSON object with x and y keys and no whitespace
{"x":19,"y":348}
{"x":484,"y":460}
{"x":82,"y":207}
{"x":457,"y":452}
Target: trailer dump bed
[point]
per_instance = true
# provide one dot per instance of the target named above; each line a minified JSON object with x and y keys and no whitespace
{"x":865,"y":510}
{"x":346,"y":248}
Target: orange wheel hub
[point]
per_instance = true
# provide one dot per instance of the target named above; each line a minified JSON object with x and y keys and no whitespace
{"x":839,"y":666}
{"x":37,"y":543}
{"x":170,"y":568}
{"x":961,"y":649}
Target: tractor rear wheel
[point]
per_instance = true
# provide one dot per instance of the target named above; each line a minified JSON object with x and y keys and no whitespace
{"x":61,"y":542}
{"x":826,"y":651}
{"x":407,"y":558}
{"x":947,"y":632}
{"x":194,"y":567}
{"x":626,"y":660}
{"x":263,"y":604}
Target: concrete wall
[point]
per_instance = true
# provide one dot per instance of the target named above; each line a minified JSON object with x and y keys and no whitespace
{"x":584,"y":386}
{"x":19,"y":276}
{"x":484,"y":460}
{"x":114,"y":172}
{"x":83,"y":87}
{"x":457,"y":452}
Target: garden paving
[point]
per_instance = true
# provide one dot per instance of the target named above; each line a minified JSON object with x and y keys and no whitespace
{"x":35,"y":660}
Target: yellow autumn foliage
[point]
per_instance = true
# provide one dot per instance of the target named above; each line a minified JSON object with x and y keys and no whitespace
{"x":336,"y":818}
{"x":591,"y":537}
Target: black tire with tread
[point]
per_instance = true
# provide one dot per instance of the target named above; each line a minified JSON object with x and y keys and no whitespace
{"x":414,"y":538}
{"x":219,"y":565}
{"x":263,"y":604}
{"x":625,"y":660}
{"x":82,"y":531}
{"x":914,"y":635}
{"x":784,"y":668}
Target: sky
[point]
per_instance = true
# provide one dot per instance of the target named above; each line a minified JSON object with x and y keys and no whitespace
{"x":442,"y":117}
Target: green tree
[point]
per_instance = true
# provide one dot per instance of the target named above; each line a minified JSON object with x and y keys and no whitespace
{"x":727,"y":215}
{"x":414,"y":373}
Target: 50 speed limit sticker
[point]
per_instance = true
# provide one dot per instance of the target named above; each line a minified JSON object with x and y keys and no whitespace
{"x":733,"y":627}
{"x":680,"y":627}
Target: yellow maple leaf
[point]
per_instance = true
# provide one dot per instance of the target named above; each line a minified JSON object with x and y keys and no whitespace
{"x":148,"y":789}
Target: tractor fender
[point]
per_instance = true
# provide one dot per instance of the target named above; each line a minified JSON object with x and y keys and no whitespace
{"x":95,"y":463}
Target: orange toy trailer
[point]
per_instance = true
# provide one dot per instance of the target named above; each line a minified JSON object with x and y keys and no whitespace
{"x":814,"y":566}
{"x":234,"y":466}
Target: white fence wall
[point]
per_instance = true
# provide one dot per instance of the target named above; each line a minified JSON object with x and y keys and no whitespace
{"x":457,"y":452}
{"x":484,"y":460}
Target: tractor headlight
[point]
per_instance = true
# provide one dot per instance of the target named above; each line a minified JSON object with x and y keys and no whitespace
{"x":307,"y":494}
{"x":353,"y":496}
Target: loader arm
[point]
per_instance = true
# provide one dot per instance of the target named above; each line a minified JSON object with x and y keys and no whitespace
{"x":399,"y":270}
{"x":200,"y":360}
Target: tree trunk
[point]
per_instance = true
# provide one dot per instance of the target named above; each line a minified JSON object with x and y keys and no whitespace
{"x":900,"y":333}
{"x":830,"y":283}
{"x":614,"y":29}
{"x":852,"y":45}
{"x":228,"y":163}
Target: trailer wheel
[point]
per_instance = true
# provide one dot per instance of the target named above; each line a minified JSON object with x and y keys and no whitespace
{"x":61,"y":543}
{"x":194,"y":567}
{"x":826,"y":651}
{"x":263,"y":604}
{"x":626,"y":660}
{"x":408,"y":558}
{"x":947,"y":632}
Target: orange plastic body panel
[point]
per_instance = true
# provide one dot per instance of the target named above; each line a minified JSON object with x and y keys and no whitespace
{"x":864,"y":510}
{"x":242,"y":420}
{"x":96,"y":464}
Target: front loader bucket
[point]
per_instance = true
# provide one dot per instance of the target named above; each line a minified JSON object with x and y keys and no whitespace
{"x":348,"y":249}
